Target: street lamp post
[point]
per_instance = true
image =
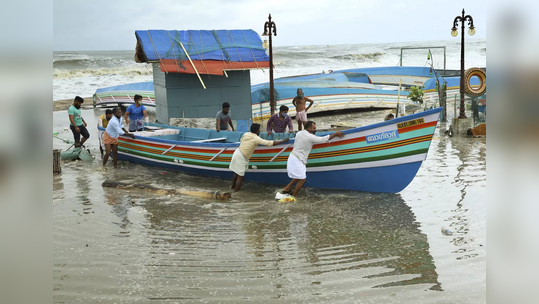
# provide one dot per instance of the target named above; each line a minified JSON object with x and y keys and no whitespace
{"x":454,"y":33}
{"x":268,"y":27}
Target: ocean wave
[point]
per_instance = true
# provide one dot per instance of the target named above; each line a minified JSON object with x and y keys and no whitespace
{"x":369,"y":56}
{"x":126,"y":71}
{"x":90,"y":63}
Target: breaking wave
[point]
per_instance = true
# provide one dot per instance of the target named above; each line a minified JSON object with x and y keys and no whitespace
{"x":126,"y":71}
{"x":361,"y":57}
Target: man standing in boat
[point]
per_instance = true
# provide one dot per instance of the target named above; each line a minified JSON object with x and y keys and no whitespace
{"x":134,"y":115}
{"x":278,"y":122}
{"x":223,"y":119}
{"x":301,"y":112}
{"x":77,"y":123}
{"x":296,"y":166}
{"x":110,"y":137}
{"x":240,"y":159}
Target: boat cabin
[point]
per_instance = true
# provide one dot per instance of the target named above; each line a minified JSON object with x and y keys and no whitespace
{"x":196,"y":71}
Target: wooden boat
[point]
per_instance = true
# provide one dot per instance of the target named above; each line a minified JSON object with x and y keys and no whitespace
{"x":125,"y":93}
{"x":383,"y":157}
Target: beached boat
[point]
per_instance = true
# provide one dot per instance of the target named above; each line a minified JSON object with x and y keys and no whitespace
{"x":382,"y":157}
{"x":329,"y":91}
{"x":125,"y":93}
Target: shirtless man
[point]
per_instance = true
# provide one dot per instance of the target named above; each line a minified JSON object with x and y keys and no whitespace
{"x":301,"y":113}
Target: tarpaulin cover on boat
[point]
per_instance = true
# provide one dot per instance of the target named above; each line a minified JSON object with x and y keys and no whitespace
{"x":211,"y":52}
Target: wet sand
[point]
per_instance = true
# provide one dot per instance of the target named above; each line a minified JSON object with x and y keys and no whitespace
{"x":64,"y":104}
{"x":130,"y":246}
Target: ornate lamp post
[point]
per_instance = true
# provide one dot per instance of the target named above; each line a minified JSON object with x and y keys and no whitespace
{"x":454,"y":33}
{"x":268,"y":27}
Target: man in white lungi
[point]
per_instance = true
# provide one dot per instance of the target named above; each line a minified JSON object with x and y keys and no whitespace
{"x":296,"y":165}
{"x":240,"y":159}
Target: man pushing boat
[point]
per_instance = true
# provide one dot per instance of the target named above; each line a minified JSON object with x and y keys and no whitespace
{"x":111,"y":134}
{"x":240,"y":159}
{"x":296,"y":166}
{"x":301,"y":112}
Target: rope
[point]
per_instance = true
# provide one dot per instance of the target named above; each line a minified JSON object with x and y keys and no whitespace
{"x":250,"y":49}
{"x":236,"y":48}
{"x":197,"y":51}
{"x":156,"y":52}
{"x":223,"y":51}
{"x":173,"y":52}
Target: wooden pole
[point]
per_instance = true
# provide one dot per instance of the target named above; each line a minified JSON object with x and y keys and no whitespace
{"x":398,"y":99}
{"x":56,"y":161}
{"x":194,"y":67}
{"x":197,"y":193}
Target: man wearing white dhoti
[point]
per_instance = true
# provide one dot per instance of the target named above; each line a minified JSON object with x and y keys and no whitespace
{"x":296,"y":165}
{"x":240,"y":159}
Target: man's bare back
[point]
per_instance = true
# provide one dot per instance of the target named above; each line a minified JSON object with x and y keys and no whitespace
{"x":300,"y":102}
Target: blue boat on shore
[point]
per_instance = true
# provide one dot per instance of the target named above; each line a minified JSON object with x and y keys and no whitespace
{"x":383,"y":157}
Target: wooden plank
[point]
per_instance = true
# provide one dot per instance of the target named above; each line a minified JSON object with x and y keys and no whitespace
{"x":223,"y":150}
{"x":277,"y":155}
{"x":168,"y":149}
{"x":198,"y":193}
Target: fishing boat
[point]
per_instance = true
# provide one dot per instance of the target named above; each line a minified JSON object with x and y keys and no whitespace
{"x":382,"y":157}
{"x":125,"y":93}
{"x":329,"y":91}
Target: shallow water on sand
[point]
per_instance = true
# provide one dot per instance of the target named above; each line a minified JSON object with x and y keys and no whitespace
{"x":130,"y":246}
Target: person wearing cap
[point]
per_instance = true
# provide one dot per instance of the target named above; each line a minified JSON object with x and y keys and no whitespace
{"x":134,"y":115}
{"x":77,"y":123}
{"x":278,"y":122}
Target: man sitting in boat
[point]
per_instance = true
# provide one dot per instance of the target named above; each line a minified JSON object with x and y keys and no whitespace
{"x":301,"y":112}
{"x":77,"y":123}
{"x":296,"y":166}
{"x":223,"y":118}
{"x":278,"y":122}
{"x":389,"y":116}
{"x":103,"y":121}
{"x":134,"y":115}
{"x":240,"y":159}
{"x":110,"y":136}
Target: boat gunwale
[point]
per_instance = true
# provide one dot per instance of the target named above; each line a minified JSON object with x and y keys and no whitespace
{"x":236,"y":144}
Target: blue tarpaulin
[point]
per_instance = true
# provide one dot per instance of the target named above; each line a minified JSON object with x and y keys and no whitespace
{"x":221,"y":45}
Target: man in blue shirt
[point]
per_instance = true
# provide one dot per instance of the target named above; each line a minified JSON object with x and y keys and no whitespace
{"x":111,"y":134}
{"x":77,"y":123}
{"x":134,"y":115}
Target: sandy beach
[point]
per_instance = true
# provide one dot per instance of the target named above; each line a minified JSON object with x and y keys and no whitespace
{"x":61,"y":105}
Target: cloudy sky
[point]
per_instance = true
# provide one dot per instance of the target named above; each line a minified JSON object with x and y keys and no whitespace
{"x":111,"y":24}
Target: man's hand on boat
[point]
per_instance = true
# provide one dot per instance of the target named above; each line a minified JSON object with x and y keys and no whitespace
{"x":130,"y":135}
{"x":278,"y":142}
{"x":338,"y":133}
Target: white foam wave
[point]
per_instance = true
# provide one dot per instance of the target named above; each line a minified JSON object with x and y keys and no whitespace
{"x":126,"y":71}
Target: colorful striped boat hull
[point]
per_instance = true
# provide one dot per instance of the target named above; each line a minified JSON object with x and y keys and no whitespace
{"x":383,"y":157}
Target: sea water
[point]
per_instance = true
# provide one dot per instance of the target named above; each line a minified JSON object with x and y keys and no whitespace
{"x":81,"y":73}
{"x":129,"y":246}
